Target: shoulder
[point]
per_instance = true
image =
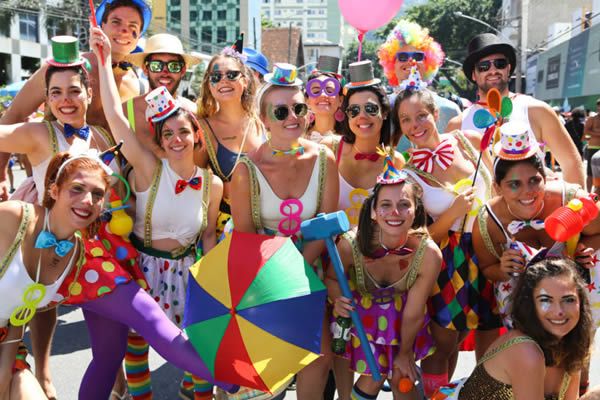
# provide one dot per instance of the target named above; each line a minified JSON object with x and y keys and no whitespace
{"x":433,"y":254}
{"x":539,"y":108}
{"x":11,"y":213}
{"x":528,"y":355}
{"x":445,"y":104}
{"x":215,"y":181}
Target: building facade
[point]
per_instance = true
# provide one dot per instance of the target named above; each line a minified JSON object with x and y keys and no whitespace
{"x":209,"y":25}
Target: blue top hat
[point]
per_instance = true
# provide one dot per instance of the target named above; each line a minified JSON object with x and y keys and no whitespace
{"x":140,"y":4}
{"x":284,"y":74}
{"x":257,"y":61}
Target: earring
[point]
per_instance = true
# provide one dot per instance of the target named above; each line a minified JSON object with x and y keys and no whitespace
{"x":311,"y":117}
{"x":339,"y":115}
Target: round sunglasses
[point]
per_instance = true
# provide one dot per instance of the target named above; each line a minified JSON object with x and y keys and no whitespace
{"x":173,"y":67}
{"x":231,"y":76}
{"x":404,"y":56}
{"x":329,"y":87}
{"x":499,"y":63}
{"x":281,"y":112}
{"x":370,"y":108}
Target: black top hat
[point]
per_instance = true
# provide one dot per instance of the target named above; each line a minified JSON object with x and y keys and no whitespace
{"x":328,"y":64}
{"x":483,"y":45}
{"x":361,"y":74}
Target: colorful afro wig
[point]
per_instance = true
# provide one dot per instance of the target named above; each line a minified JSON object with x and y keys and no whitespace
{"x":412,"y":34}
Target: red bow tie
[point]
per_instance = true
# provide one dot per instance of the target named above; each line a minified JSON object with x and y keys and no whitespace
{"x":382,"y":252}
{"x":443,"y":155}
{"x":367,"y":156}
{"x":195,"y":183}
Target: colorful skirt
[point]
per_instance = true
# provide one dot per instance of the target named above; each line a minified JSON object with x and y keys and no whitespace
{"x":593,"y":289}
{"x":462,"y":298}
{"x":109,"y":261}
{"x":167,"y":281}
{"x":382,"y":320}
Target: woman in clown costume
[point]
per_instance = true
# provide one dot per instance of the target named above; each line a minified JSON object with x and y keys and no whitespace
{"x":390,"y":301}
{"x":165,"y":237}
{"x":444,"y":165}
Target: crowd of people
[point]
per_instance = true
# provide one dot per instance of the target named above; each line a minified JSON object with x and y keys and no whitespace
{"x":448,"y":249}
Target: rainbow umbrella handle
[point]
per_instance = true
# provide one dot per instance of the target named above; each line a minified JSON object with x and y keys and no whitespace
{"x":326,"y":227}
{"x":358,"y":325}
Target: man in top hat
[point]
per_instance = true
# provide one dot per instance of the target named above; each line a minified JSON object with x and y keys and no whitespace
{"x":124,"y":21}
{"x":410,"y":44}
{"x":489,"y":64}
{"x":164,"y":63}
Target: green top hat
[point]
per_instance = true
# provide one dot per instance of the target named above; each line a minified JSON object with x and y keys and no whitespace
{"x":65,"y":52}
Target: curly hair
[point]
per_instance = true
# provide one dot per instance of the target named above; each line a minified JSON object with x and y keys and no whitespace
{"x":79,"y":164}
{"x":571,"y":351}
{"x":208,"y":105}
{"x":385,"y":135}
{"x":412,"y":34}
{"x":367,"y":228}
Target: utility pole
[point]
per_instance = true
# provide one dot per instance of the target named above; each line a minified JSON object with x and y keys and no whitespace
{"x":523,"y":28}
{"x":290,"y":44}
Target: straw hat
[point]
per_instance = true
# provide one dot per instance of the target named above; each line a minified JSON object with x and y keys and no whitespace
{"x":162,"y":43}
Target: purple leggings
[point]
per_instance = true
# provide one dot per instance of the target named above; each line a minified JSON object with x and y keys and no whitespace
{"x":108,"y":320}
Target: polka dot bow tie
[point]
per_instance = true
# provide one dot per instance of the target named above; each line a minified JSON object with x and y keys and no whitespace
{"x":443,"y":155}
{"x":195,"y":183}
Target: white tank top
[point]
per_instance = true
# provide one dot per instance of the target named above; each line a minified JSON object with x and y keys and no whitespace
{"x":16,"y":279}
{"x":174,"y":216}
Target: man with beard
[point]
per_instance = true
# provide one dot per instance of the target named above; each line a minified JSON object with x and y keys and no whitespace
{"x":489,"y":64}
{"x":164,"y":63}
{"x":124,"y":22}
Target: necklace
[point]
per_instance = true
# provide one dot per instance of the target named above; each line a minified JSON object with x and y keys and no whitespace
{"x":515,"y":226}
{"x":521,"y":219}
{"x":295,"y":150}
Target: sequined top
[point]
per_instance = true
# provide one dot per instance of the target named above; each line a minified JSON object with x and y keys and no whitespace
{"x":481,"y":385}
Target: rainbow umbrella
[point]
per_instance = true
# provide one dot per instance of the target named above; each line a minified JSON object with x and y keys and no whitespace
{"x":254,"y":311}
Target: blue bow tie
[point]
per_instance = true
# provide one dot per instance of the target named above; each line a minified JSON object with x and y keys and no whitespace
{"x":82,"y":132}
{"x":47,"y":239}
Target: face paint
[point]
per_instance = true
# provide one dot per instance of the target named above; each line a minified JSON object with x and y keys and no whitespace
{"x":514,"y":178}
{"x":544,"y":305}
{"x":270,"y":113}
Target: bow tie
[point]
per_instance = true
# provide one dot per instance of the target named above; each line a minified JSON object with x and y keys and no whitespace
{"x":515,"y":226}
{"x":297,"y":150}
{"x":47,"y":239}
{"x":83,"y":132}
{"x":195,"y":183}
{"x":443,"y":155}
{"x":382,"y":252}
{"x":124,"y":65}
{"x":367,"y":156}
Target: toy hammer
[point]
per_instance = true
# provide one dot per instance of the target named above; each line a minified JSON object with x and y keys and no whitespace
{"x":326,"y":227}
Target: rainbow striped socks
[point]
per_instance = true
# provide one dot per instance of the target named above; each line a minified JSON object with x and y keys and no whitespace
{"x":137,"y":368}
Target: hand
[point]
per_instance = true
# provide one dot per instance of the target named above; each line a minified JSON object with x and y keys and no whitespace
{"x":404,"y":365}
{"x":343,"y":307}
{"x":463,"y":202}
{"x":584,"y":256}
{"x":512,"y":262}
{"x":99,"y":43}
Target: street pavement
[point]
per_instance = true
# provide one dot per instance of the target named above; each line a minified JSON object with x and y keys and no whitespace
{"x":71,"y":354}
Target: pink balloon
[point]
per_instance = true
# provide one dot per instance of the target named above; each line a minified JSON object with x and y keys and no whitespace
{"x":366,"y":15}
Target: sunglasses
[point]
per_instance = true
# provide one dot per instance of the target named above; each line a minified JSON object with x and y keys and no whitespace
{"x":173,"y":67}
{"x":231,"y":76}
{"x":328,"y":87}
{"x":282,"y":112}
{"x":499,"y":63}
{"x":404,"y":56}
{"x":353,"y":110}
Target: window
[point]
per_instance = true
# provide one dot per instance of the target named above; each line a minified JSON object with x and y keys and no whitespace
{"x":207,"y":15}
{"x":193,"y":16}
{"x":321,"y":12}
{"x":237,"y":14}
{"x":221,"y":34}
{"x":176,"y":15}
{"x":265,"y":1}
{"x":28,"y":27}
{"x":175,"y":2}
{"x":206,"y":34}
{"x":222,"y":14}
{"x":278,"y":12}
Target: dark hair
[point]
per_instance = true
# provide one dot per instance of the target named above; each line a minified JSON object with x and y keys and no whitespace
{"x":502,"y":167}
{"x":80,"y":70}
{"x":425,"y":96}
{"x":111,"y":6}
{"x":158,"y":127}
{"x":385,"y":134}
{"x":367,"y":227}
{"x":571,"y":351}
{"x":66,"y":174}
{"x":337,"y":126}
